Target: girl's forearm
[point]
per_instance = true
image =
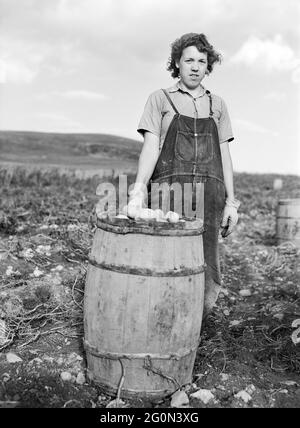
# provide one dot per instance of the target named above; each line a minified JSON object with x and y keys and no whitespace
{"x":146,"y":165}
{"x":227,"y":171}
{"x":147,"y":160}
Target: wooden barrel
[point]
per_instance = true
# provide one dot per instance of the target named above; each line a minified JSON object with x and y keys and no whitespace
{"x":288,"y":221}
{"x":143,"y":306}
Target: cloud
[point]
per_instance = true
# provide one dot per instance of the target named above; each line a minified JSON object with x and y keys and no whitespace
{"x":79,"y":94}
{"x":267,"y":55}
{"x":19,"y":62}
{"x":252,"y":127}
{"x":13,"y":71}
{"x":52,"y":116}
{"x":92,"y":13}
{"x":137,"y":29}
{"x":22,"y":60}
{"x":57,"y":122}
{"x":275,"y":96}
{"x":70,"y":33}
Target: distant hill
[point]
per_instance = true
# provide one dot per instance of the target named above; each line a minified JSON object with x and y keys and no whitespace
{"x":68,"y":149}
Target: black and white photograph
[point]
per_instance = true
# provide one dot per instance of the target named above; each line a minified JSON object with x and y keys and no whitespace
{"x":149,"y":206}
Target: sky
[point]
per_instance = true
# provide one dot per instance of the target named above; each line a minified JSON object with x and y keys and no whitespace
{"x":90,"y":65}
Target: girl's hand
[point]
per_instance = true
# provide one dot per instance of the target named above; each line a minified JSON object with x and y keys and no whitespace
{"x":230,"y":217}
{"x":134,"y":206}
{"x":136,"y":200}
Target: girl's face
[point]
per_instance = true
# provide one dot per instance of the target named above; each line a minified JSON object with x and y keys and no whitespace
{"x":192,"y":67}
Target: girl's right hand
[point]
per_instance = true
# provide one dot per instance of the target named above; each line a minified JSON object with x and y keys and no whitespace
{"x":135,"y":204}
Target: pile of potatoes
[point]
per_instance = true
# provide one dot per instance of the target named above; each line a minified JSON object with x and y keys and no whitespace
{"x":139,"y":213}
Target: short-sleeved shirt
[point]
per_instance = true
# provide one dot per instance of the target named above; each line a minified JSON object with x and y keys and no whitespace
{"x":158,"y":113}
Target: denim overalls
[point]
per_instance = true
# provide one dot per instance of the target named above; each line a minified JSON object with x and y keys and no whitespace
{"x":191,"y":154}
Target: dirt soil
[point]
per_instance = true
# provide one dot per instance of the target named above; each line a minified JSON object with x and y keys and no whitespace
{"x":246,"y":358}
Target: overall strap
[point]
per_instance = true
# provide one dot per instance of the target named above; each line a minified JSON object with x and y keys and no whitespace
{"x":170,"y":101}
{"x":211,"y":113}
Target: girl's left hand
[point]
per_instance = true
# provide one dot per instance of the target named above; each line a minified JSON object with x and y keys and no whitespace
{"x":230,"y":219}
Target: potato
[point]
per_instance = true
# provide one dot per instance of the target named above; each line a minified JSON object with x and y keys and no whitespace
{"x":159,"y":215}
{"x":172,"y":217}
{"x":145,"y":214}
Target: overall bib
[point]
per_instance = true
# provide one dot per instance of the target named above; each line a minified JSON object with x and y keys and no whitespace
{"x":191,"y":154}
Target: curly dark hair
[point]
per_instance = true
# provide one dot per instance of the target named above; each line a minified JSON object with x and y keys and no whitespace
{"x":192,"y":39}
